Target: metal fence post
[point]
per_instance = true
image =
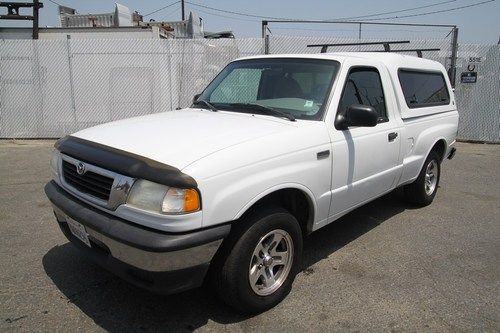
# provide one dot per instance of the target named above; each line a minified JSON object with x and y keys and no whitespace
{"x":36,"y":8}
{"x":36,"y":74}
{"x":265,"y":37}
{"x":71,"y":85}
{"x":2,"y":94}
{"x":181,"y":75}
{"x":453,"y":61}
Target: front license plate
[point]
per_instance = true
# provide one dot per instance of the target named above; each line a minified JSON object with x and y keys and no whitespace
{"x":78,"y":230}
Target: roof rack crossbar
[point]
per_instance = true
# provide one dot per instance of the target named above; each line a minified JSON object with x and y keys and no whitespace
{"x":387,"y":47}
{"x":419,"y":51}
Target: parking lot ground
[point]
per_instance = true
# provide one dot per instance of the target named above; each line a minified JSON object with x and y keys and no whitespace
{"x":384,"y":267}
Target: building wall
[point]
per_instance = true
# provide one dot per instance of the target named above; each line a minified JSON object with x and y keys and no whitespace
{"x":139,"y":34}
{"x":81,"y":33}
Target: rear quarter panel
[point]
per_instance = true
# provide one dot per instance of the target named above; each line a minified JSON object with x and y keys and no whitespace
{"x":421,"y":134}
{"x":423,"y":127}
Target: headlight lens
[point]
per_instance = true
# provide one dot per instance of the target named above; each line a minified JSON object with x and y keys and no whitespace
{"x":147,"y":195}
{"x":54,"y":163}
{"x":162,"y":199}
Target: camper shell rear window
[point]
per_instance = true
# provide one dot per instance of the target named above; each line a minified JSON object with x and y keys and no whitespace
{"x":423,"y":88}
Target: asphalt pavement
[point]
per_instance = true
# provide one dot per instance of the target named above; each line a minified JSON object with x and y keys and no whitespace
{"x":384,"y":267}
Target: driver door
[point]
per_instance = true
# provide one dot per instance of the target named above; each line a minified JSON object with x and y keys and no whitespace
{"x":366,"y":161}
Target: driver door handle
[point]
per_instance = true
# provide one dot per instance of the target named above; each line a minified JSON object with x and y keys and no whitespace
{"x":392,"y":136}
{"x":323,"y":154}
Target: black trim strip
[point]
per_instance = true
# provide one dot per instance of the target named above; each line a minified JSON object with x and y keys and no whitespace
{"x":123,"y":162}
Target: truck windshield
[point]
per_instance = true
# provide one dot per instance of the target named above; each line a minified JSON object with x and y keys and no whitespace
{"x":293,"y":86}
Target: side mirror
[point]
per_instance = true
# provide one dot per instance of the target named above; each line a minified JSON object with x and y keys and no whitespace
{"x":195,"y":98}
{"x":357,"y":115}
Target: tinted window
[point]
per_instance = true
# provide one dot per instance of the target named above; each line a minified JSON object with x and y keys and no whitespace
{"x":423,"y":88}
{"x":295,"y":86}
{"x":363,"y":86}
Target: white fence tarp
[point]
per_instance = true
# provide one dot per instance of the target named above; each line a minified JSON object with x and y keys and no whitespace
{"x":50,"y":88}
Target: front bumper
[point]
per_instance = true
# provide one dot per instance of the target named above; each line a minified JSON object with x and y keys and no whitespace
{"x":155,"y":260}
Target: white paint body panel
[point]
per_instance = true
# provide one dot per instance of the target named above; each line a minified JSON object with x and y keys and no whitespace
{"x":179,"y":138}
{"x":232,"y":179}
{"x":239,"y":158}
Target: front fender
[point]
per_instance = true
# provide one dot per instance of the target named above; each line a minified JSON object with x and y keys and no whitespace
{"x":227,"y":196}
{"x":233,"y":179}
{"x":302,"y":188}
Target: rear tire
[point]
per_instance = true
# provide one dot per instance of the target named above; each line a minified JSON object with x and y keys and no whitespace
{"x":257,"y":264}
{"x":423,"y":190}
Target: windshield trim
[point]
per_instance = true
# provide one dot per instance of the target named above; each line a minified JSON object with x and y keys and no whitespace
{"x":320,"y":115}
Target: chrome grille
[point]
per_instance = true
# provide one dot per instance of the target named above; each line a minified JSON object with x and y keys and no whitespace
{"x":91,"y":183}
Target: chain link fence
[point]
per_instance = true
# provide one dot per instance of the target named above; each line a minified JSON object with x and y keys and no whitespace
{"x":49,"y":88}
{"x":479,"y":103}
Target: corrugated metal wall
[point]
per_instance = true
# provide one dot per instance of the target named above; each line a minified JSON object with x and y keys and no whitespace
{"x":49,"y":88}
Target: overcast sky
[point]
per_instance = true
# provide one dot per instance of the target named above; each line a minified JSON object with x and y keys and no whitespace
{"x":478,"y":24}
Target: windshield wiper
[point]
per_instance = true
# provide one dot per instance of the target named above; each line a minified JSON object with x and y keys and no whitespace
{"x":264,"y":108}
{"x":207,"y":104}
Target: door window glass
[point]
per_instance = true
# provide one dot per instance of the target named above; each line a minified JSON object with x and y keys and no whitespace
{"x":363,"y":86}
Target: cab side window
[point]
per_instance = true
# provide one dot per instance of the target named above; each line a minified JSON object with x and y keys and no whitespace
{"x":423,"y":88}
{"x":363,"y":86}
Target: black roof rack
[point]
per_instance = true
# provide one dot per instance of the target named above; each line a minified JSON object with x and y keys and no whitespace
{"x":419,"y":51}
{"x":387,"y":46}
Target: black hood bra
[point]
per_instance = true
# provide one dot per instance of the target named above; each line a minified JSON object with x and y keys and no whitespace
{"x":124,"y":162}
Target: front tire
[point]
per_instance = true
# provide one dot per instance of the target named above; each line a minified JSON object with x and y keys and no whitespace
{"x":423,"y":190}
{"x":262,"y":257}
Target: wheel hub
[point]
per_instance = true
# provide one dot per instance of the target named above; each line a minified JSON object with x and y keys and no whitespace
{"x":268,"y":260}
{"x":431,"y":177}
{"x":271,"y":262}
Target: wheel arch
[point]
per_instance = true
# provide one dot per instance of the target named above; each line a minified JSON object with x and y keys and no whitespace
{"x":296,"y":198}
{"x":439,"y":145}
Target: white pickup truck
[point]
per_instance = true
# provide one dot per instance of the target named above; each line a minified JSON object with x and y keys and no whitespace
{"x":273,"y":149}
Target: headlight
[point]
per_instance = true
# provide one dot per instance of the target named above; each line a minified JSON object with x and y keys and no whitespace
{"x":162,"y":199}
{"x":54,"y":163}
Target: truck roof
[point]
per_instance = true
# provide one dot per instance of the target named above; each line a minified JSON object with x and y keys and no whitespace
{"x":389,"y":59}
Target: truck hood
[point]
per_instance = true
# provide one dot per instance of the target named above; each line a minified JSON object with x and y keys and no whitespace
{"x":179,"y":138}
